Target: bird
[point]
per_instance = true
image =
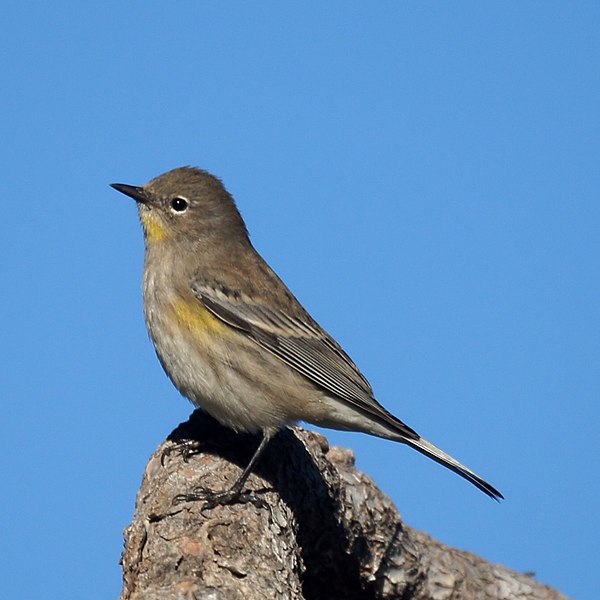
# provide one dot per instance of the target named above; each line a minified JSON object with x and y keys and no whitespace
{"x":233,"y":338}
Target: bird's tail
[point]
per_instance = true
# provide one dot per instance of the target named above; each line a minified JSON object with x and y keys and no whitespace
{"x":433,"y":452}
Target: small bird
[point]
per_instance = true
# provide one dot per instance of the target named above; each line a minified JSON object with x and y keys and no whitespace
{"x":231,"y":336}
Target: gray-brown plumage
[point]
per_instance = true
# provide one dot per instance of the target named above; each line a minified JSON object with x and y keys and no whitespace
{"x":233,"y":338}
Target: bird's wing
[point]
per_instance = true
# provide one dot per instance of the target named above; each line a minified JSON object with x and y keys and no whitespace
{"x":302,"y":344}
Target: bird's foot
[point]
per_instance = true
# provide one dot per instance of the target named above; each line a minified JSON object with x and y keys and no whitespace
{"x":213,"y":499}
{"x":186,"y":449}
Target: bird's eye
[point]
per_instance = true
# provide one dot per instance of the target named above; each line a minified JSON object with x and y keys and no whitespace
{"x":179,"y":204}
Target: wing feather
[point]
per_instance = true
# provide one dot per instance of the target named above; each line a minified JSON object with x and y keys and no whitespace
{"x":300,"y":342}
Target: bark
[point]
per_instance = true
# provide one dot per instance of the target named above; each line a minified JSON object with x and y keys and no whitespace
{"x":324,"y":530}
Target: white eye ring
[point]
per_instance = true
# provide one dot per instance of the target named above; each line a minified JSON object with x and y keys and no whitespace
{"x":179,"y":204}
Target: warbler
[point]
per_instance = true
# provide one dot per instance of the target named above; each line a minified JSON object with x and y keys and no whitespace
{"x":231,"y":336}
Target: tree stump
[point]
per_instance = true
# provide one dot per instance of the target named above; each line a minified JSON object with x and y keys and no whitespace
{"x":324,"y":531}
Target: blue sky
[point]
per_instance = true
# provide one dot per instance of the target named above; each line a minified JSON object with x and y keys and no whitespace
{"x":425,"y":178}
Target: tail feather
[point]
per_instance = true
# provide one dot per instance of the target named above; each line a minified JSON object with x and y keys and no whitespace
{"x":441,"y":457}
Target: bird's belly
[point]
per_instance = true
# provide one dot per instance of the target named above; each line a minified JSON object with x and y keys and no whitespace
{"x":222,"y":371}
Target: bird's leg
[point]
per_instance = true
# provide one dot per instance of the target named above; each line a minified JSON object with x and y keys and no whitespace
{"x":234,"y":494}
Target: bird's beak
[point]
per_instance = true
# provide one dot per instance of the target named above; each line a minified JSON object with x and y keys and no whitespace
{"x":135,"y":192}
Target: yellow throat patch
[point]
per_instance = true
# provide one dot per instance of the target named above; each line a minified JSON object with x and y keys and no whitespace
{"x":153,"y":228}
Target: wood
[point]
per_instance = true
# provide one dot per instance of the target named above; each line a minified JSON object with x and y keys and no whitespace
{"x":326,"y":531}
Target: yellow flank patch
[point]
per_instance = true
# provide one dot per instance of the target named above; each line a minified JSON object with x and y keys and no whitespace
{"x":155,"y":231}
{"x":195,"y":317}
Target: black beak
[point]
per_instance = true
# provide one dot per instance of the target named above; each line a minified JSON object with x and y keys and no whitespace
{"x":137,"y":193}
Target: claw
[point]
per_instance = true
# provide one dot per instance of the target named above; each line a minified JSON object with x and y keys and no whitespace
{"x":186,"y":448}
{"x":224,"y":498}
{"x":234,"y":495}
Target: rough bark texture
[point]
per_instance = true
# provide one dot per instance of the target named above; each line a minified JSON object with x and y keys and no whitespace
{"x":327,"y":532}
